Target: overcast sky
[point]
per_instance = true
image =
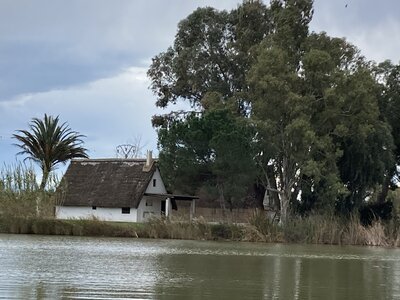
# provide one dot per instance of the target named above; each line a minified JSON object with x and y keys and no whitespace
{"x":87,"y":60}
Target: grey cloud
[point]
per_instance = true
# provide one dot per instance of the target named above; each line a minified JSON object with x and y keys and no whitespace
{"x":373,"y":26}
{"x":34,"y":67}
{"x":49,"y":44}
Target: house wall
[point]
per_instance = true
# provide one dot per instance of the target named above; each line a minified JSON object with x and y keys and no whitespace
{"x":101,"y":213}
{"x":159,"y":188}
{"x":148,"y":206}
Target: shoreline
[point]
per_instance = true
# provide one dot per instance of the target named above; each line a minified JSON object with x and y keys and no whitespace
{"x":307,"y":231}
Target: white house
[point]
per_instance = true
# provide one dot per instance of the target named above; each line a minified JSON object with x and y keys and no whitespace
{"x":125,"y":190}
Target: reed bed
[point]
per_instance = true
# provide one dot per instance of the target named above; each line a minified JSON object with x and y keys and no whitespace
{"x":315,"y":230}
{"x":331,"y":230}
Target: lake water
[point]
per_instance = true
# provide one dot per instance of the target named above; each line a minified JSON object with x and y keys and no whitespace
{"x":56,"y":267}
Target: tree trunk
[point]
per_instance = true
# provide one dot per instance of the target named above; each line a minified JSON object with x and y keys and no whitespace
{"x":266,"y":200}
{"x":273,"y":196}
{"x":286,"y":180}
{"x":221,"y":198}
{"x":45,"y":177}
{"x":284,"y":208}
{"x":385,"y":189}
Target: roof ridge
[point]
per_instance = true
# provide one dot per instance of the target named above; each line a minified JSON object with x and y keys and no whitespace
{"x":110,"y":159}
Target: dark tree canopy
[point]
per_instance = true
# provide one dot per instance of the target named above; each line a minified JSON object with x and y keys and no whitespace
{"x":211,"y":150}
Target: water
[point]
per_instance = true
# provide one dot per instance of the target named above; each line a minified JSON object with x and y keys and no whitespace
{"x":46,"y":267}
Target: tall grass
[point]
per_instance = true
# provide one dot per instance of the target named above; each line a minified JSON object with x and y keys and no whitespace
{"x":315,"y":230}
{"x":327,"y":230}
{"x":199,"y":229}
{"x":67,"y":227}
{"x":18,"y":191}
{"x":262,"y":229}
{"x":20,"y":195}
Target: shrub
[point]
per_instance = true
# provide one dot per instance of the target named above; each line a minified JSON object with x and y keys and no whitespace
{"x":375,"y":211}
{"x":263,"y":229}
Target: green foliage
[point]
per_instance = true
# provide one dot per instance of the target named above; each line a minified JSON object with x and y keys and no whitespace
{"x":388,"y":76}
{"x":212,"y":52}
{"x":49,"y":143}
{"x":198,"y":229}
{"x":365,"y":141}
{"x":50,"y":226}
{"x":213,"y":149}
{"x":290,"y":20}
{"x":307,"y":113}
{"x":20,"y":195}
{"x":390,"y":106}
{"x":226,"y":231}
{"x":264,"y":229}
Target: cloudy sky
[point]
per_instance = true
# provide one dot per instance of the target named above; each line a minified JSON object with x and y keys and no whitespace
{"x":87,"y":60}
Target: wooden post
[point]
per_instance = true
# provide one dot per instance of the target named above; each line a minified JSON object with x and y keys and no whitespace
{"x":192,"y":209}
{"x":167,"y":207}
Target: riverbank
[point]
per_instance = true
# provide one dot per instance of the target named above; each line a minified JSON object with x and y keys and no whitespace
{"x":312,"y":230}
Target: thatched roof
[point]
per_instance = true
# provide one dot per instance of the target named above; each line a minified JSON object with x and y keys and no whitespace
{"x":106,"y":182}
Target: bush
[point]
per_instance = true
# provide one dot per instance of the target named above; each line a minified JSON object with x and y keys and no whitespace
{"x":375,"y":211}
{"x":263,"y":229}
{"x":226,"y":231}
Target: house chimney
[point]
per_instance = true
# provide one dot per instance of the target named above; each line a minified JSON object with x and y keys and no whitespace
{"x":149,"y":158}
{"x":149,"y":161}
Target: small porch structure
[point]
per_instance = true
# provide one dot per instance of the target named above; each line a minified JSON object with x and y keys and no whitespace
{"x":168,"y":203}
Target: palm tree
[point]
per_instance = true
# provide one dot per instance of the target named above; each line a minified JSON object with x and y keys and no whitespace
{"x":48,"y":143}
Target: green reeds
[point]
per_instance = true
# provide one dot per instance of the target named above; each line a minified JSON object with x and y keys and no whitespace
{"x":326,"y":230}
{"x":198,"y":229}
{"x":67,"y":227}
{"x":20,"y":195}
{"x":18,"y":191}
{"x":315,"y":230}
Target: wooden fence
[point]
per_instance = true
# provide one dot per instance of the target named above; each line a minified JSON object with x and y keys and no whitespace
{"x":237,"y":215}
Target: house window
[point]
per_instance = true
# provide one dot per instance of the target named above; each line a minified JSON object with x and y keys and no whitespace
{"x":94,"y":207}
{"x":154,"y":182}
{"x":126,"y":210}
{"x":149,"y":202}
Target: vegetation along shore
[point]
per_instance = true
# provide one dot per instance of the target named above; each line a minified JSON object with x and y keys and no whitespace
{"x":312,"y":230}
{"x":18,"y":205}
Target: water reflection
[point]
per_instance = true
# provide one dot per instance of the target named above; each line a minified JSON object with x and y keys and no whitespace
{"x":42,"y":267}
{"x":209,"y":276}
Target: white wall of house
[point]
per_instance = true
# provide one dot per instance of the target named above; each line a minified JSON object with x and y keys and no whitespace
{"x":149,"y":207}
{"x":156,"y":185}
{"x":101,"y":213}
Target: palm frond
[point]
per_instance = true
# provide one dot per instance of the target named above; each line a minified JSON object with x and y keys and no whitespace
{"x":48,"y":143}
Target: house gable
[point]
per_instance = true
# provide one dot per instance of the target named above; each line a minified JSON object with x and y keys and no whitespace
{"x":156,"y":184}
